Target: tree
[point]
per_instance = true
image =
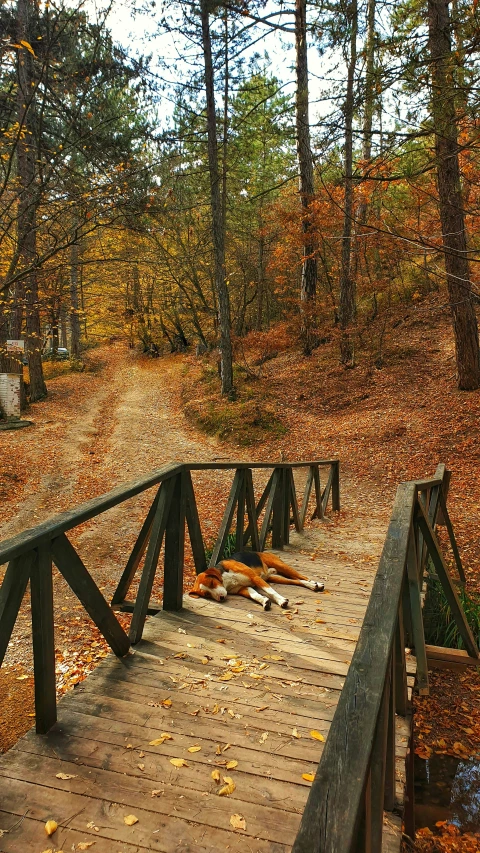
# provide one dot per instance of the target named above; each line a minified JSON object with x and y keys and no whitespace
{"x":452,"y":217}
{"x":305,"y":158}
{"x":218,"y":221}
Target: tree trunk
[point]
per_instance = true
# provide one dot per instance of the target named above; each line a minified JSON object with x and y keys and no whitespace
{"x":450,"y":197}
{"x":304,"y":150}
{"x":74,"y":312}
{"x":226,"y":359}
{"x":347,"y":302}
{"x":27,"y":203}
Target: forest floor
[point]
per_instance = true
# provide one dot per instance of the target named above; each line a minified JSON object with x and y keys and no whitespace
{"x":125,"y":416}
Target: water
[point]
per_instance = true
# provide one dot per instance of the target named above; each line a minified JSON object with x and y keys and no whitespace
{"x":447,"y":788}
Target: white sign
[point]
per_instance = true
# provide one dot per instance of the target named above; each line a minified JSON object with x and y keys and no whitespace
{"x":10,"y":394}
{"x":15,"y":346}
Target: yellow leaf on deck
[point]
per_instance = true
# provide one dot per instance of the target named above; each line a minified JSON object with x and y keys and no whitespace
{"x":216,"y":775}
{"x":227,"y":789}
{"x":194,"y":748}
{"x":232,"y":764}
{"x":317,"y":735}
{"x":65,"y":776}
{"x":159,"y":740}
{"x":130,"y":820}
{"x":178,"y":762}
{"x":309,"y":777}
{"x":295,"y":734}
{"x":51,"y":827}
{"x":166,"y":703}
{"x":84,"y":845}
{"x":263,"y":737}
{"x":226,"y":676}
{"x":238,"y":822}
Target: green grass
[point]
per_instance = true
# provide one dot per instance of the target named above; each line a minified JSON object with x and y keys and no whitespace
{"x":440,"y":626}
{"x":230,"y":548}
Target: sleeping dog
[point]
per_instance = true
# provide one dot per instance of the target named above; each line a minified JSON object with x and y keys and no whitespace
{"x":247,"y":573}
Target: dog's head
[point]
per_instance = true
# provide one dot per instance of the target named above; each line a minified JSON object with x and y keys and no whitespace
{"x":209,"y":584}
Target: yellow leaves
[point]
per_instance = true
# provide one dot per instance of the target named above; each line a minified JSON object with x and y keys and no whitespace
{"x":195,"y":748}
{"x":226,"y":676}
{"x":26,"y":45}
{"x":317,"y":736}
{"x":272,"y":657}
{"x":309,"y":777}
{"x":130,"y":820}
{"x":178,"y":762}
{"x":295,"y":733}
{"x":51,"y":826}
{"x":84,"y":845}
{"x":65,"y":776}
{"x":321,"y":621}
{"x":167,"y":703}
{"x":238,"y":822}
{"x":263,"y":737}
{"x":232,"y":764}
{"x":215,"y":775}
{"x":228,"y":788}
{"x":159,"y":740}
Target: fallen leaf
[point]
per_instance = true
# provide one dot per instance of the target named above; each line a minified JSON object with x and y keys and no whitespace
{"x":178,"y":762}
{"x":166,"y":703}
{"x":295,"y":733}
{"x":51,"y":826}
{"x":215,"y":775}
{"x":65,"y":776}
{"x":228,"y":788}
{"x":141,"y":766}
{"x":317,"y":735}
{"x":226,"y":676}
{"x":227,"y":746}
{"x":159,"y":740}
{"x":194,"y":748}
{"x":231,"y":764}
{"x":238,"y":822}
{"x":157,"y":792}
{"x":84,"y":845}
{"x":130,"y":820}
{"x":309,"y":777}
{"x":263,"y":737}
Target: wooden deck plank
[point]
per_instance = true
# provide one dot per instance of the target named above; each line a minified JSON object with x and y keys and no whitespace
{"x":244,"y":685}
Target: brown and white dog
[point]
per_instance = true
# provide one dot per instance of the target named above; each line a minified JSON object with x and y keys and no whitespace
{"x":247,"y":573}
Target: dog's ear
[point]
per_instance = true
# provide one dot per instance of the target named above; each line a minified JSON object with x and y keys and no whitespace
{"x":196,"y":593}
{"x":214,"y":572}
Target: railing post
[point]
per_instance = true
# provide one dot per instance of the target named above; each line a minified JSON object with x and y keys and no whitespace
{"x":41,"y":590}
{"x":416,"y":611}
{"x":278,"y":520}
{"x":12,"y":591}
{"x":336,"y":486}
{"x":175,"y":547}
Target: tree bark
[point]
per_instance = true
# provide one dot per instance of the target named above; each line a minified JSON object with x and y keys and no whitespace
{"x":304,"y":150}
{"x":347,"y":301}
{"x":74,"y":303}
{"x":450,"y":196}
{"x":225,"y":344}
{"x":27,"y":203}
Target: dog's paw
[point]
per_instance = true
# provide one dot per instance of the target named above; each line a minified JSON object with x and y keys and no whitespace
{"x":267,"y":604}
{"x":284,"y":603}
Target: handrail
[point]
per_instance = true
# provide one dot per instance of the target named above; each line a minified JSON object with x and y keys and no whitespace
{"x":30,"y":554}
{"x":355,"y":779}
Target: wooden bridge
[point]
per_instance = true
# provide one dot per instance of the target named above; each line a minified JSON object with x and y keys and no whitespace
{"x":207,"y":734}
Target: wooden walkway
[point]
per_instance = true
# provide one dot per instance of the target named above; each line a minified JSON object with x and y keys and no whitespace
{"x":231,"y":691}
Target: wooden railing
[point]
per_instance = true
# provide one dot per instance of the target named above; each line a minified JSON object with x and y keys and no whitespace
{"x":30,"y":554}
{"x":355,"y":779}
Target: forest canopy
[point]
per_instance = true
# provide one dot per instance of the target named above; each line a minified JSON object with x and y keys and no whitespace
{"x":316,"y":163}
